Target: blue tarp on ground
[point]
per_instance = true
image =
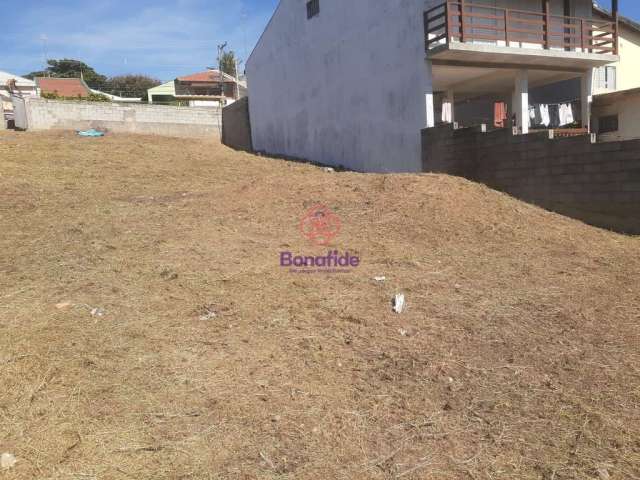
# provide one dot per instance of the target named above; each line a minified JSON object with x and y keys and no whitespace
{"x":91,"y":133}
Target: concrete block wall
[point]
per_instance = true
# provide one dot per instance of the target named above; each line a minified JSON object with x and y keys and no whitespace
{"x":127,"y":118}
{"x":598,"y":183}
{"x":236,"y":126}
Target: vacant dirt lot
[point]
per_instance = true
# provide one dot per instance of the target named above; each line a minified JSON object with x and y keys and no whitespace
{"x":148,"y":332}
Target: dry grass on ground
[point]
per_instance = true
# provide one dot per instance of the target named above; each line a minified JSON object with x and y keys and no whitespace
{"x":517,"y":357}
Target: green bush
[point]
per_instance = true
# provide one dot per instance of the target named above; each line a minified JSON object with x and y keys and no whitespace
{"x":93,"y":97}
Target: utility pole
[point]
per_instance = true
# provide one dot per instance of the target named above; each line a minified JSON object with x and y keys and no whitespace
{"x":220,"y":55}
{"x":237,"y":65}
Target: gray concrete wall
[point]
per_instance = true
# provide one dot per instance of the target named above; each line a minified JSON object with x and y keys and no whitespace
{"x":130,"y":118}
{"x":343,"y":88}
{"x":236,"y":127}
{"x":597,"y":183}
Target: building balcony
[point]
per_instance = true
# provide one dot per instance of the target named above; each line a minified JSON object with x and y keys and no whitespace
{"x":460,"y":33}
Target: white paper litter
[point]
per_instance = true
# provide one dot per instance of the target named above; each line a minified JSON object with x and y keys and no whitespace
{"x":7,"y":460}
{"x":399,"y":303}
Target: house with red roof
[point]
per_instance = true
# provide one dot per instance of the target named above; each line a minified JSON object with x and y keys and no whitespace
{"x":63,"y":87}
{"x":202,"y":89}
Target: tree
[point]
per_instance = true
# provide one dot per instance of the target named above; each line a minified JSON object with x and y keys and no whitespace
{"x":228,"y":63}
{"x":69,"y":68}
{"x":131,"y":86}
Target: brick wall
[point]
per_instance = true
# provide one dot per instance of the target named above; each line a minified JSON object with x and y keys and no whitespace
{"x":130,"y":118}
{"x":236,"y":126}
{"x":598,"y":183}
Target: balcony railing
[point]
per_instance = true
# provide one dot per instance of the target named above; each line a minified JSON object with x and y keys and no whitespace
{"x":463,"y":22}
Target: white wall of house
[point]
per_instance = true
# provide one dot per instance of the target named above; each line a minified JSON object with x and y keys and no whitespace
{"x":625,"y":74}
{"x":353,"y":79}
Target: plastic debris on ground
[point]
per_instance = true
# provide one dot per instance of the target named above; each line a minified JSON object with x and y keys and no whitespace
{"x":208,"y":315}
{"x":379,"y":279}
{"x":7,"y":460}
{"x":399,"y":303}
{"x":91,"y":133}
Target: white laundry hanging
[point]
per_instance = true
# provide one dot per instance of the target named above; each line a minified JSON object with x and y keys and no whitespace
{"x":566,"y":114}
{"x":447,"y":112}
{"x":544,"y":113}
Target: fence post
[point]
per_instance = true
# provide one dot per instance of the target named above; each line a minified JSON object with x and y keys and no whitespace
{"x":616,"y":27}
{"x":506,"y":27}
{"x":447,"y":24}
{"x":461,"y":21}
{"x":546,"y":24}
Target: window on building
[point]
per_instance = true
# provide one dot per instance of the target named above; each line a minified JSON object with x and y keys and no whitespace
{"x":606,"y":78}
{"x":313,"y":8}
{"x":608,"y":124}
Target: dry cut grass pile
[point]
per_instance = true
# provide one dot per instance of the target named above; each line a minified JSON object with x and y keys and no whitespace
{"x":517,"y":356}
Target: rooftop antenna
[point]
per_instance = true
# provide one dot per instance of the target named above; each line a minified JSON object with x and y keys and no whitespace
{"x":45,"y":54}
{"x":243,"y":22}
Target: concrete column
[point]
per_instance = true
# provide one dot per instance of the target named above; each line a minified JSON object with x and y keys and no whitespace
{"x":587,"y":97}
{"x":428,"y":96}
{"x":521,"y":101}
{"x":448,"y":109}
{"x":150,"y":98}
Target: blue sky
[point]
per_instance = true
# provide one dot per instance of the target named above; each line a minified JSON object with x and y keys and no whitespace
{"x":161,"y":38}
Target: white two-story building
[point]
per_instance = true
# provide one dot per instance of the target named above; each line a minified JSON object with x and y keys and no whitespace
{"x":363,"y":78}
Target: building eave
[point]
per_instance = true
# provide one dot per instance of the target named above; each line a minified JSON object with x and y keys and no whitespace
{"x":626,"y":21}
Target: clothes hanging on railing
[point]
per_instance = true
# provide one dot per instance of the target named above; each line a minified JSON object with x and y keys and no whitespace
{"x":551,"y":115}
{"x":500,"y":114}
{"x":554,"y":116}
{"x":447,"y":112}
{"x":566,"y":114}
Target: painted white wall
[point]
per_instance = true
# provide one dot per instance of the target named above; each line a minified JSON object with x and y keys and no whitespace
{"x":353,"y":82}
{"x":204,"y":103}
{"x":628,"y":68}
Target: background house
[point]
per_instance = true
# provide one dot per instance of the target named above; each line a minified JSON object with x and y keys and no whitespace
{"x":165,"y":93}
{"x":62,"y":87}
{"x":202,"y":89}
{"x":616,"y":105}
{"x":10,"y":83}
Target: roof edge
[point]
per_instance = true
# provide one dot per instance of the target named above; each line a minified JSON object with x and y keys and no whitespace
{"x":632,"y":24}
